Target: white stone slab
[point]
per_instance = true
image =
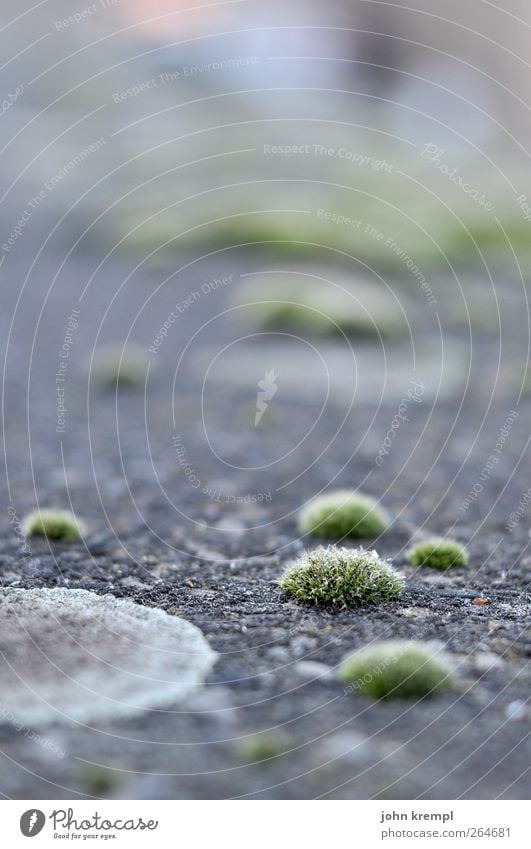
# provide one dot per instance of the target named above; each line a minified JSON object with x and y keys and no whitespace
{"x":72,"y":654}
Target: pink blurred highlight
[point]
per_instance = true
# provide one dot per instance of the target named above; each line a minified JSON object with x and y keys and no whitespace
{"x":163,"y":19}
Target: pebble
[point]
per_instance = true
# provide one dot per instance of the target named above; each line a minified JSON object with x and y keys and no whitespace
{"x":415,"y":612}
{"x":487,"y":660}
{"x":302,"y":645}
{"x":134,"y":583}
{"x":311,"y":670}
{"x":517,"y":710}
{"x":349,"y":746}
{"x":280,"y":654}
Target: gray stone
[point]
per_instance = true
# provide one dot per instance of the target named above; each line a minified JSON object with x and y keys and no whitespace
{"x":312,"y":670}
{"x":74,"y":655}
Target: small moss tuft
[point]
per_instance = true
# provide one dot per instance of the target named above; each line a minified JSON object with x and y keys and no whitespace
{"x":53,"y":524}
{"x":357,"y":308}
{"x":99,"y":781}
{"x":438,"y":553}
{"x":115,"y":367}
{"x":396,"y":669}
{"x":341,"y":577}
{"x":261,"y":747}
{"x":343,"y":513}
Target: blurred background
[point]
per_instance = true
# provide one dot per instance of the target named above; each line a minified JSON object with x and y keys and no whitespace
{"x":377,"y":153}
{"x":175,"y":93}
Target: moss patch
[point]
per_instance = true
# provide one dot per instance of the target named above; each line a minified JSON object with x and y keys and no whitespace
{"x":341,"y":578}
{"x":261,"y":747}
{"x":438,"y":553}
{"x":343,"y":513}
{"x":396,"y":669}
{"x":115,"y":367}
{"x":355,"y":308}
{"x":54,"y":524}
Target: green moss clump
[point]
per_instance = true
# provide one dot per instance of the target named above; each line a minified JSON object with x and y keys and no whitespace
{"x":286,"y":315}
{"x":261,"y":747}
{"x":343,"y":513}
{"x":396,"y":669}
{"x":115,"y":367}
{"x":359,"y":308}
{"x":99,"y":781}
{"x":438,"y":553}
{"x":53,"y":524}
{"x":341,"y":578}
